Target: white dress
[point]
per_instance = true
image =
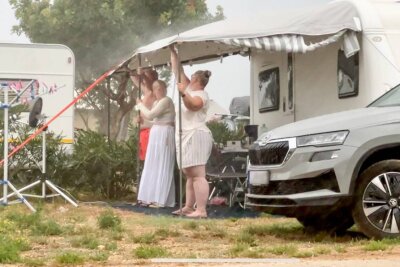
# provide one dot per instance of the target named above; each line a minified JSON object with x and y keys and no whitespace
{"x":197,"y":139}
{"x":157,"y":181}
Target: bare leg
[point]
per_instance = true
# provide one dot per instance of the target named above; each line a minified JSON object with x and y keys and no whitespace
{"x":190,"y":193}
{"x":190,"y":196}
{"x":201,"y":190}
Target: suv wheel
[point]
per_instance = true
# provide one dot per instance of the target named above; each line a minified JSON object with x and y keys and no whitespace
{"x":377,"y":198}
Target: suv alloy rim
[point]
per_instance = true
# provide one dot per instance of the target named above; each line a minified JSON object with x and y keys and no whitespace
{"x":381,"y":202}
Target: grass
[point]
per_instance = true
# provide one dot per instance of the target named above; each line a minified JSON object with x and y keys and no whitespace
{"x":86,"y":241}
{"x":70,"y":257}
{"x":286,"y":250}
{"x":99,"y":256}
{"x":376,"y":245}
{"x":47,"y":228}
{"x":148,"y":238}
{"x":147,"y":252}
{"x":11,"y":248}
{"x":41,"y":238}
{"x":33,"y":262}
{"x":108,"y":220}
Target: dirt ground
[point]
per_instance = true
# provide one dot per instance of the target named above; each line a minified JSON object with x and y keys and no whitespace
{"x":232,"y":241}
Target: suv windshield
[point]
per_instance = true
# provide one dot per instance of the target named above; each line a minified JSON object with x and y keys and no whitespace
{"x":391,"y":98}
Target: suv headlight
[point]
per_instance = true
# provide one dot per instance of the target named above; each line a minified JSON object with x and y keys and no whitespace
{"x":322,"y":139}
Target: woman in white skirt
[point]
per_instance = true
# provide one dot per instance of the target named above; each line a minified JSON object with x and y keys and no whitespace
{"x":157,"y":185}
{"x":196,"y":138}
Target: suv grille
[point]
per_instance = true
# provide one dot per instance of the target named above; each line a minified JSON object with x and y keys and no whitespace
{"x":270,"y":154}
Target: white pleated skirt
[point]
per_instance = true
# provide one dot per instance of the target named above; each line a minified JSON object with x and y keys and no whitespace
{"x":157,"y":182}
{"x":196,"y":148}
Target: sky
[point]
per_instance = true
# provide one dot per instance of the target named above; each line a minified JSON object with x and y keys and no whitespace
{"x":229,"y":79}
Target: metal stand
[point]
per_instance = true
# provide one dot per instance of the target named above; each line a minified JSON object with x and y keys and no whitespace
{"x":44,"y":181}
{"x":5,"y":182}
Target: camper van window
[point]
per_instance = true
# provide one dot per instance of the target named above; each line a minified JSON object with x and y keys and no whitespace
{"x":268,"y":88}
{"x":347,"y":75}
{"x":290,"y":81}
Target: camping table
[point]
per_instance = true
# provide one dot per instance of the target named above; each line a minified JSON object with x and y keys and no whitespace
{"x":230,"y":171}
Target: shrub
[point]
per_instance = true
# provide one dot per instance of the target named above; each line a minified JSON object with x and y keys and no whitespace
{"x":108,"y":168}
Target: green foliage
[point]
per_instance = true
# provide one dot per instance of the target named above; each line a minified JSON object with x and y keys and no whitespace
{"x":73,"y":258}
{"x":10,"y":248}
{"x":108,"y":220}
{"x":100,"y":256}
{"x":47,"y":228}
{"x":107,"y":168}
{"x":376,"y":245}
{"x":288,"y":250}
{"x":86,"y":241}
{"x":147,"y":252}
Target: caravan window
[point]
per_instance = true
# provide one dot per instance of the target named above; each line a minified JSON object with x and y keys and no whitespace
{"x":268,"y":90}
{"x":290,"y":81}
{"x":347,"y":75}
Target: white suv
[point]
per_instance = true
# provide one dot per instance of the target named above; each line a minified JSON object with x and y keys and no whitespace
{"x":333,"y":170}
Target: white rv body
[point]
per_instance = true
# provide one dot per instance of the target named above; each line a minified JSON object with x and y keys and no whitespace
{"x":52,"y":67}
{"x":315,"y":73}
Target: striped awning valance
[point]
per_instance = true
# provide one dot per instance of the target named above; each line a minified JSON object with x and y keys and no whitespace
{"x":295,"y":43}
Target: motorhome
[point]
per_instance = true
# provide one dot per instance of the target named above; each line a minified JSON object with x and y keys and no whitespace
{"x":29,"y":71}
{"x":304,"y":62}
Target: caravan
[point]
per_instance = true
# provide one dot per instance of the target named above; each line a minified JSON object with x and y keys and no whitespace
{"x":41,"y":70}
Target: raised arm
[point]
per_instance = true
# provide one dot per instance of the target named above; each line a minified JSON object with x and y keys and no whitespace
{"x":136,"y":77}
{"x":176,"y":66}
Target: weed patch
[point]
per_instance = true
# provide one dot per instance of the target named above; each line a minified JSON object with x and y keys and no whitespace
{"x":376,"y":245}
{"x":47,"y":228}
{"x":287,"y":250}
{"x":108,"y":219}
{"x":148,"y":238}
{"x":100,"y":256}
{"x":147,"y":252}
{"x":72,"y":258}
{"x":87,"y":241}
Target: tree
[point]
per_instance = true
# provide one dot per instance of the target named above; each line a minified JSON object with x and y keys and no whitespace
{"x":104,"y":32}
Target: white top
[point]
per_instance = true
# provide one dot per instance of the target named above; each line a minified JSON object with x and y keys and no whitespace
{"x":195,"y":120}
{"x":162,"y":112}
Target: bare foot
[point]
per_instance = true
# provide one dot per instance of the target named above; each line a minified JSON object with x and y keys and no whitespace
{"x":197,"y":215}
{"x":184,"y":211}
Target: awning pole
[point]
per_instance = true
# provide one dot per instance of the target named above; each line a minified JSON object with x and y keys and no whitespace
{"x":138,"y":163}
{"x":180,"y":136}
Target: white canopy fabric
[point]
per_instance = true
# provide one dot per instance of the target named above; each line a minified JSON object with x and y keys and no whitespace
{"x":274,"y":31}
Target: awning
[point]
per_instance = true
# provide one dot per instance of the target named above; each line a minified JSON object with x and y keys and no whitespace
{"x":273,"y":31}
{"x":296,"y":43}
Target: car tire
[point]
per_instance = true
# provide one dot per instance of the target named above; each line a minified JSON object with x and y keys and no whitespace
{"x":334,"y":222}
{"x":377,"y":198}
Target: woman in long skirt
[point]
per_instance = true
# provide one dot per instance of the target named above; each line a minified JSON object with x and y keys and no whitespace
{"x":157,"y":182}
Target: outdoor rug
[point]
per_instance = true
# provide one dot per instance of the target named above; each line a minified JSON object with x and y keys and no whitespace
{"x":214,"y":212}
